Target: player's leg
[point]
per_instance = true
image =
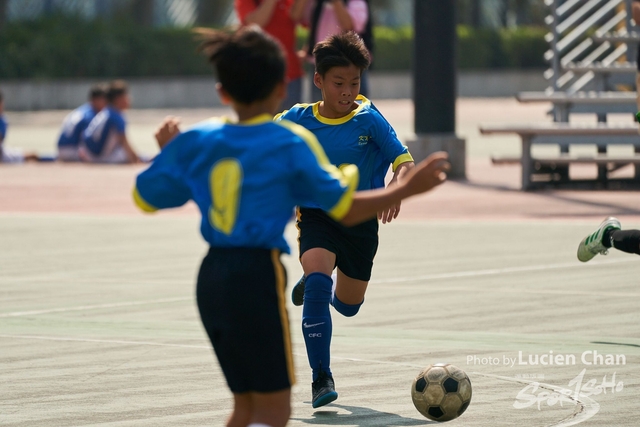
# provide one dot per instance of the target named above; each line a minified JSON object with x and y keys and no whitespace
{"x":318,"y":264}
{"x":348,"y":295}
{"x":355,"y":263}
{"x":270,"y":409}
{"x":623,"y":240}
{"x":243,"y":309}
{"x":593,"y":244}
{"x":242,"y":410}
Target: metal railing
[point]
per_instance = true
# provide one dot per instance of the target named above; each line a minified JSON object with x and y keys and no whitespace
{"x":591,"y":44}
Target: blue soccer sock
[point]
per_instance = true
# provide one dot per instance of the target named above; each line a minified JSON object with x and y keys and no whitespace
{"x":347,"y":310}
{"x":316,"y":322}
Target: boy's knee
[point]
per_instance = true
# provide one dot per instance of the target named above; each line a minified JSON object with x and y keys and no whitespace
{"x":347,"y":310}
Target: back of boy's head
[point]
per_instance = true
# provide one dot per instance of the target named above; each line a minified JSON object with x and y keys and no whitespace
{"x":1,"y":97}
{"x":116,"y":88}
{"x":248,"y":62}
{"x":341,"y":50}
{"x":98,"y":90}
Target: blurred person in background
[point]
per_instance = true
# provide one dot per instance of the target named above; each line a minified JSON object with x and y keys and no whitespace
{"x":105,"y":139}
{"x":77,"y":121}
{"x":11,"y":154}
{"x":274,"y":17}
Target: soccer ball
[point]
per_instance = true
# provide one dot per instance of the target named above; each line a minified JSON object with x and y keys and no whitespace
{"x":441,"y":392}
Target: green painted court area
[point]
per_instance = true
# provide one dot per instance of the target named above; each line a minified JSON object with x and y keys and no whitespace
{"x":98,"y":326}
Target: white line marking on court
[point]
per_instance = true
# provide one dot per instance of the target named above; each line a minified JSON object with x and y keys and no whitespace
{"x":92,"y":307}
{"x":155,"y":344}
{"x":589,"y":406}
{"x":488,"y":272}
{"x":496,"y":271}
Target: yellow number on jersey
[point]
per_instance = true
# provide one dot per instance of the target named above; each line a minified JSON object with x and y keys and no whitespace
{"x":225,"y":183}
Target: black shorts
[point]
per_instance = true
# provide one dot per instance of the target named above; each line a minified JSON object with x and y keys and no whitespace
{"x":240,"y":295}
{"x":354,"y":247}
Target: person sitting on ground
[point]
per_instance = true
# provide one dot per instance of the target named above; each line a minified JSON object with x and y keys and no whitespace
{"x":77,"y":121}
{"x":105,"y":140}
{"x":11,"y":154}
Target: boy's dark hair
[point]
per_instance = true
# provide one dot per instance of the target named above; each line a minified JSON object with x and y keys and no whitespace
{"x":1,"y":98}
{"x":341,"y":50}
{"x":116,"y":88}
{"x":98,"y":90}
{"x":248,"y":62}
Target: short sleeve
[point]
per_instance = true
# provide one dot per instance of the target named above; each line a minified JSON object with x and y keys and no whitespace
{"x":163,"y":184}
{"x":387,"y":140}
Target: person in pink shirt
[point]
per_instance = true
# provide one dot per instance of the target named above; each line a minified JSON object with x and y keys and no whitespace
{"x":327,"y":17}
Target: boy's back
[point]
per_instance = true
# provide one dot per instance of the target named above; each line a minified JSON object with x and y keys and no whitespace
{"x":244,"y":177}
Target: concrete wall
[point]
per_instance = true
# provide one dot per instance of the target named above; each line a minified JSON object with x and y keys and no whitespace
{"x":199,"y":92}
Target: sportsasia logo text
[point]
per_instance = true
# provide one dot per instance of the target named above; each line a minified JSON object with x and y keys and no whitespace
{"x":363,"y":139}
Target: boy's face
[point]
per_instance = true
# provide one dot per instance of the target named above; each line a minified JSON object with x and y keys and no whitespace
{"x":339,"y":86}
{"x":98,"y":103}
{"x":122,"y":102}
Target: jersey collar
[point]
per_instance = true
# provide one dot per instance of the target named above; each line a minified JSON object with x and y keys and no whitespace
{"x":257,"y":120}
{"x":340,"y":120}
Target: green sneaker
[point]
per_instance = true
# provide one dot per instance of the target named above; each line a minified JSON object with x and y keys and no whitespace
{"x":592,"y":244}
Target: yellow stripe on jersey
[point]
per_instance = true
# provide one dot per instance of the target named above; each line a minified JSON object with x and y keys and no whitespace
{"x":348,"y":176}
{"x":284,"y":317}
{"x":340,"y":120}
{"x":402,"y":158}
{"x":142,"y":203}
{"x":277,"y":116}
{"x":341,"y":208}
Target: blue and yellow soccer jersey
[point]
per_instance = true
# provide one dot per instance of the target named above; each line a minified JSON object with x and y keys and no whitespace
{"x":246,"y":178}
{"x":107,"y":122}
{"x":363,"y":138}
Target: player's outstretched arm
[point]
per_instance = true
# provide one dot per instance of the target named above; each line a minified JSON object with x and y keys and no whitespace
{"x":427,"y":174}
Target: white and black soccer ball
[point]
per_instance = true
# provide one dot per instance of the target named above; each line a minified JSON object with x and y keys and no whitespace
{"x":441,"y":392}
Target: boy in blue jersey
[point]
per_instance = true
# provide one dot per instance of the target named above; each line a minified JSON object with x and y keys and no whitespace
{"x":77,"y":121}
{"x":351,"y":131}
{"x":10,"y":154}
{"x":105,"y":139}
{"x":246,"y":177}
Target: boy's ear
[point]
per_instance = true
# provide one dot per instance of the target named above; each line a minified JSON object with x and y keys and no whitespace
{"x":223,"y":94}
{"x":317,"y":80}
{"x":281,"y":90}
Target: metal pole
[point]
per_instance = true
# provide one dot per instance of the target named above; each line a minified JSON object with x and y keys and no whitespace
{"x":434,"y":71}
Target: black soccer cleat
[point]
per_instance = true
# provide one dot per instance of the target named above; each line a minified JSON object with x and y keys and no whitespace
{"x":323,"y":390}
{"x":297,"y":293}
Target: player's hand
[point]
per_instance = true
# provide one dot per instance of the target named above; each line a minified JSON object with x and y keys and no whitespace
{"x":428,"y":174}
{"x":391,"y":213}
{"x":167,"y":130}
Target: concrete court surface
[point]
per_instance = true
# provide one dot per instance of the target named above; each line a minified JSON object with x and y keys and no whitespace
{"x":98,"y":324}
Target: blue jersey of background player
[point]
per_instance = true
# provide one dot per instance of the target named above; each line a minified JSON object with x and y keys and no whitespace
{"x":105,"y":139}
{"x":77,"y":121}
{"x":246,"y":178}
